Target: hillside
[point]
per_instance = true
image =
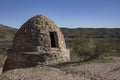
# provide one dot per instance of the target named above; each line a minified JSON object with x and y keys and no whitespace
{"x":6,"y":36}
{"x":92,"y":32}
{"x":7,"y":32}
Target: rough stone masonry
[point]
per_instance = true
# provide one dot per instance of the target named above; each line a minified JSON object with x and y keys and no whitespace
{"x":38,"y":42}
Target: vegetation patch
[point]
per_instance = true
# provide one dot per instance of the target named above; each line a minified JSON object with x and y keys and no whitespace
{"x":99,"y":60}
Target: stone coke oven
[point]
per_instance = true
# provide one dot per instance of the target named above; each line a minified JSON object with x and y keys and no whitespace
{"x":38,"y":42}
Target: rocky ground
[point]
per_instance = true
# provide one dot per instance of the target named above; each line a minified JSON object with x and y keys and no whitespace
{"x":93,"y":71}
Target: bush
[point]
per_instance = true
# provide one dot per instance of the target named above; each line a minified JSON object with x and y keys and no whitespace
{"x":83,"y":49}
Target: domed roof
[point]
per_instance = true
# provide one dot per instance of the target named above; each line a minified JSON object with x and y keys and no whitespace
{"x":40,"y":20}
{"x":37,"y":32}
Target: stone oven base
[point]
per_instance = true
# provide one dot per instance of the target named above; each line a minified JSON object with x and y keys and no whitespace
{"x":23,"y":60}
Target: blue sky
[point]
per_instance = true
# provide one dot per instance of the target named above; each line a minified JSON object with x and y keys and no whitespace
{"x":65,"y":13}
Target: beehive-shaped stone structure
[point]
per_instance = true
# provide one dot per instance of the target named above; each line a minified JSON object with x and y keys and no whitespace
{"x":39,"y":41}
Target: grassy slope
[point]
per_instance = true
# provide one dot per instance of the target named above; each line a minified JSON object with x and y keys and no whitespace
{"x":6,"y":36}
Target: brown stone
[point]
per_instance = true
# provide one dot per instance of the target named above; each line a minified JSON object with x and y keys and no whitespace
{"x":39,"y":41}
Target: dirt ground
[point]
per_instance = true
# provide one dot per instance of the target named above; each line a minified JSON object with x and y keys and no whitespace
{"x":97,"y":71}
{"x":93,"y":71}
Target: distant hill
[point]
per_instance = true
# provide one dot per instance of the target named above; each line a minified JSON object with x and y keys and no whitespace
{"x":6,"y":36}
{"x":7,"y":32}
{"x":92,"y":32}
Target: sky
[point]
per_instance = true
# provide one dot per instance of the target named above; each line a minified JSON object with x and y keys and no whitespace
{"x":65,"y":13}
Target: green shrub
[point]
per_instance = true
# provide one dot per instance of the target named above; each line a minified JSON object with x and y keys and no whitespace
{"x":83,"y":49}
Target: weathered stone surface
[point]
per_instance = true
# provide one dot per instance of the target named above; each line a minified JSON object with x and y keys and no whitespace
{"x":39,"y":41}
